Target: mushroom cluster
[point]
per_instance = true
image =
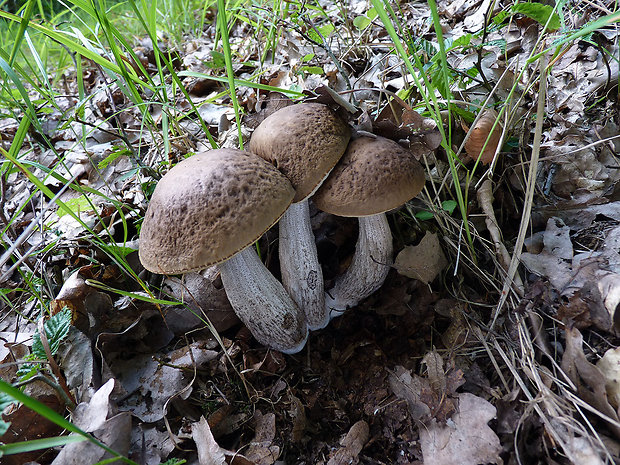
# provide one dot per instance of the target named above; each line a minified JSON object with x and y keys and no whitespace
{"x":210,"y":208}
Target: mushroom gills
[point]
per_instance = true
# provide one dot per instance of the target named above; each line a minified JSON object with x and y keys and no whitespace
{"x":369,"y":267}
{"x":302,"y":276}
{"x":261,"y":302}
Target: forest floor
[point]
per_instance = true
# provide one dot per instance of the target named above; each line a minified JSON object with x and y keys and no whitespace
{"x":493,"y":339}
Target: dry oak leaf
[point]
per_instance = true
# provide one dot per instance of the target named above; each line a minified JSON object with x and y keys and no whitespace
{"x":466,"y":439}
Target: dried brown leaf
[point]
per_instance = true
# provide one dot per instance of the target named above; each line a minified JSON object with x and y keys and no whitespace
{"x":467,"y":440}
{"x":209,"y":452}
{"x":261,"y":450}
{"x":588,"y":379}
{"x":423,"y":261}
{"x":352,"y":444}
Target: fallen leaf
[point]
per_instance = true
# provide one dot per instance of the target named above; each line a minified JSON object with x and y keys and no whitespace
{"x":609,"y":365}
{"x":150,"y":383}
{"x":423,"y":261}
{"x":590,"y":382}
{"x":410,"y":388}
{"x":466,"y":439}
{"x":209,"y":452}
{"x":352,"y":444}
{"x":76,"y":360}
{"x":91,"y":416}
{"x":261,"y":450}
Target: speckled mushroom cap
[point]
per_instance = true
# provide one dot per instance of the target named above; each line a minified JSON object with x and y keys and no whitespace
{"x":373,"y":176}
{"x":304,"y":142}
{"x":209,"y":207}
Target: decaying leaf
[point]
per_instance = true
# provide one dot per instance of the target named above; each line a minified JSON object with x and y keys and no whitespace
{"x":149,"y":446}
{"x":92,"y":417}
{"x":430,"y":397}
{"x":261,"y":450}
{"x":298,"y":415}
{"x":145,"y":377}
{"x":609,"y":365}
{"x":209,"y":452}
{"x":590,"y":382}
{"x":352,"y":444}
{"x":76,"y":359}
{"x":410,"y":388}
{"x":588,"y":282}
{"x":423,"y":261}
{"x":485,"y":137}
{"x":204,"y":301}
{"x":466,"y":439}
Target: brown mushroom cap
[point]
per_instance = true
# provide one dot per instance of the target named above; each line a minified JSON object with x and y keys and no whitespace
{"x":209,"y":207}
{"x":373,"y":176}
{"x":304,"y":142}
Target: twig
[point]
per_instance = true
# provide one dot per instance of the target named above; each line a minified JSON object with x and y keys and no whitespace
{"x":529,"y":193}
{"x":49,"y":382}
{"x":485,"y":199}
{"x":53,"y":365}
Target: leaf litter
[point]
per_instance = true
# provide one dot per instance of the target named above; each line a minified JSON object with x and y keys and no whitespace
{"x":404,"y":378}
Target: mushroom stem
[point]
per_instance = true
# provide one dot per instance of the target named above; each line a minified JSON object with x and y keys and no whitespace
{"x":369,"y":268}
{"x":261,"y":302}
{"x":299,"y":263}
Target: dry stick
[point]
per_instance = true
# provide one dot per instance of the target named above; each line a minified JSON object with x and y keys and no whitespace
{"x":485,"y":199}
{"x":53,"y":365}
{"x":529,"y":193}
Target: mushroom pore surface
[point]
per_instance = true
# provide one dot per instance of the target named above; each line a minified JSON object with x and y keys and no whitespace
{"x":208,"y":207}
{"x":304,"y":142}
{"x":373,"y":176}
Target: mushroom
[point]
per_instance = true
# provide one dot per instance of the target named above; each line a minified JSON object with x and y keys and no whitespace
{"x":304,"y":142}
{"x":209,"y":209}
{"x":373,"y":176}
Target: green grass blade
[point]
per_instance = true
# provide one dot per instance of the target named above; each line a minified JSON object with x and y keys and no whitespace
{"x":38,"y":444}
{"x":23,"y":24}
{"x":243,"y":82}
{"x":222,"y":19}
{"x":133,"y":295}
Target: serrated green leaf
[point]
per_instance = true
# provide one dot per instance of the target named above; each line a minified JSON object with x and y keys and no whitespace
{"x":361,"y":22}
{"x":501,"y":43}
{"x":428,"y":47}
{"x":56,"y":329}
{"x":4,"y":427}
{"x":462,"y":41}
{"x":539,"y":13}
{"x":500,"y":17}
{"x":5,"y":401}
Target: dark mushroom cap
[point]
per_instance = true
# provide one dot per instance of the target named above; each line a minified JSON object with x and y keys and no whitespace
{"x":373,"y":176}
{"x":304,"y":142}
{"x":209,"y":207}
